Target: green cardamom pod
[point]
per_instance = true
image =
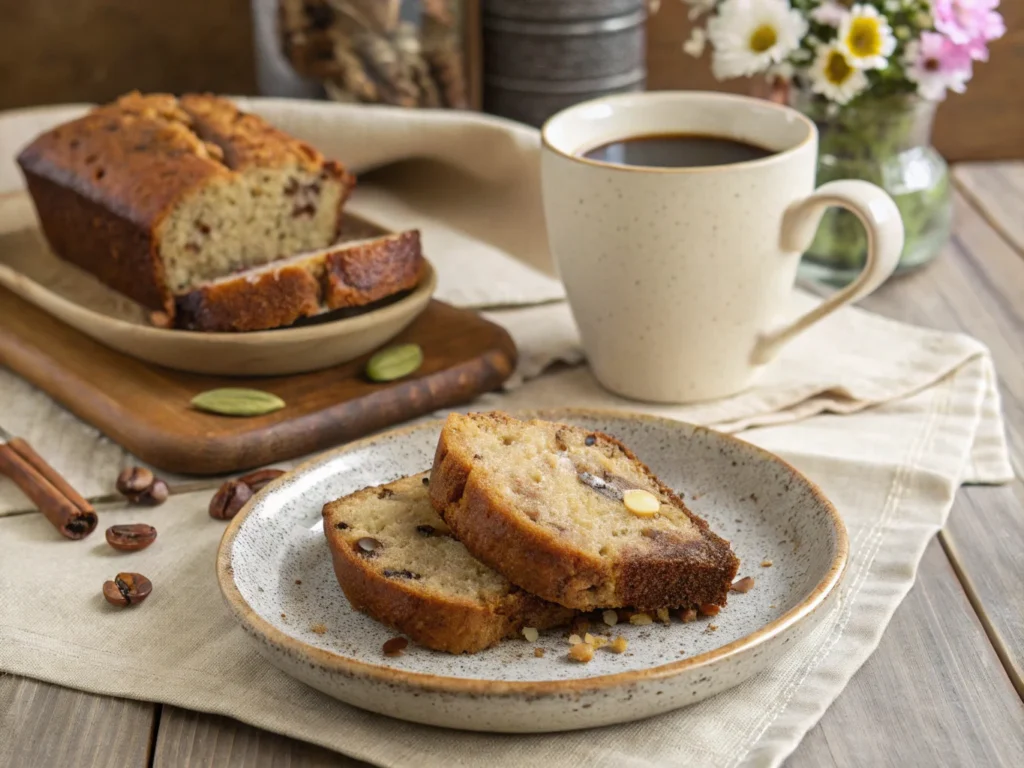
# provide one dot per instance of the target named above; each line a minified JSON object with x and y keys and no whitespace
{"x":237,"y":401}
{"x":394,"y":362}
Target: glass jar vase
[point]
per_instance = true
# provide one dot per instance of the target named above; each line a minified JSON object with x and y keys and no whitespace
{"x":886,"y":141}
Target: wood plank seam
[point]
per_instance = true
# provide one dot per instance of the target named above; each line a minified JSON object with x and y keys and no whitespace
{"x":999,"y":643}
{"x":979,"y":207}
{"x":158,"y":710}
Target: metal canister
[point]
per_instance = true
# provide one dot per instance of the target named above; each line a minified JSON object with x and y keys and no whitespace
{"x":541,"y":56}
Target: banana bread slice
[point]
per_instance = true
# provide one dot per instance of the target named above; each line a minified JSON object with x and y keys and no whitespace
{"x":155,"y":194}
{"x":349,"y":274}
{"x":549,"y":507}
{"x":397,"y":561}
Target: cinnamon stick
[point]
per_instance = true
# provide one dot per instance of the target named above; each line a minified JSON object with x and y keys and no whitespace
{"x":61,"y":504}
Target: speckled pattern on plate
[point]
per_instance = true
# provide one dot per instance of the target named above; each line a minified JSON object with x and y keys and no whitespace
{"x":275,"y":570}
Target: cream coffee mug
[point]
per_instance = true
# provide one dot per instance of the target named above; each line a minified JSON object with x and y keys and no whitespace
{"x":679,"y":277}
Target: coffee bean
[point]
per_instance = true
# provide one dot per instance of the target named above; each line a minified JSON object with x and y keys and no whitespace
{"x":131,"y":538}
{"x":127,"y":589}
{"x":368,"y":546}
{"x":155,"y":495}
{"x":395,"y":646}
{"x":260,"y":478}
{"x":230,"y":498}
{"x":134,"y":480}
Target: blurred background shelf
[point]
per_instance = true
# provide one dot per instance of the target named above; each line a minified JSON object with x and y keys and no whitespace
{"x":55,"y":51}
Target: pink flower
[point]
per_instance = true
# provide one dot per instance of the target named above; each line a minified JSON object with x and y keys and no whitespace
{"x":971,"y":23}
{"x":937,"y":64}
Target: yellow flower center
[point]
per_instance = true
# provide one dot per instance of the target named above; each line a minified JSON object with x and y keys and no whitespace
{"x":864,"y":38}
{"x":837,"y":69}
{"x":763,"y":38}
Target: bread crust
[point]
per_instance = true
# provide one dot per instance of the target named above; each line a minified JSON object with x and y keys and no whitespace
{"x":103,"y":184}
{"x":665,"y":572}
{"x":445,"y":623}
{"x":280,"y":293}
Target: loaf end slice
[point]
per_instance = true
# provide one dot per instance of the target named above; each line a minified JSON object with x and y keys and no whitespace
{"x":346,"y":275}
{"x":543,"y":504}
{"x":397,"y":561}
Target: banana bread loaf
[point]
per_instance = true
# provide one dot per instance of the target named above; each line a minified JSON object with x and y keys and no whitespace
{"x":154,"y":194}
{"x":573,"y":517}
{"x":397,"y":561}
{"x":350,"y":274}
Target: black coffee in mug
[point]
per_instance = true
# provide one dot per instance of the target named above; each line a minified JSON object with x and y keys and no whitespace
{"x":676,"y":150}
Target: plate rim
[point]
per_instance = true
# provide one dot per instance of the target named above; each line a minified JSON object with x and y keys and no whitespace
{"x":25,"y":287}
{"x":253,"y":623}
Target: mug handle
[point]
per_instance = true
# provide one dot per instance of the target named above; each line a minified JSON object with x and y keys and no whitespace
{"x":880,"y":217}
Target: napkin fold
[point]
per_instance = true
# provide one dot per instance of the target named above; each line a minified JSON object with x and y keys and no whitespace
{"x":901,"y":416}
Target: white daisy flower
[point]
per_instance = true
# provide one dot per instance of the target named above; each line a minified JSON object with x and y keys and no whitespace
{"x":695,"y":44}
{"x":866,"y":38}
{"x":834,"y":76}
{"x":699,"y":7}
{"x":750,"y":35}
{"x":830,"y":13}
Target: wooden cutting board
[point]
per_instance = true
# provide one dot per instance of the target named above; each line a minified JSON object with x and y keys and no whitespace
{"x":146,"y":409}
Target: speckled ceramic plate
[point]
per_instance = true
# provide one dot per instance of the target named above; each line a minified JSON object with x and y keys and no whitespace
{"x":275,"y":571}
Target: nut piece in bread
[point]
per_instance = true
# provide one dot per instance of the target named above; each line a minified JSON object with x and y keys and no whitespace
{"x":154,"y":194}
{"x":396,"y":560}
{"x":542,"y":504}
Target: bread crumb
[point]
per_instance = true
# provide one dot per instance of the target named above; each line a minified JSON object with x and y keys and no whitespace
{"x":766,"y":563}
{"x":772,"y":605}
{"x":580,"y":625}
{"x":663,"y":615}
{"x":711,"y":628}
{"x":575,"y":639}
{"x":581,"y":652}
{"x":538,"y":652}
{"x":531,"y":634}
{"x":595,"y":640}
{"x":690,"y":614}
{"x":283,"y":616}
{"x":682,"y":651}
{"x":319,"y":628}
{"x":618,"y":645}
{"x":743,"y":585}
{"x":611,"y":618}
{"x":298,"y":581}
{"x":710,"y":609}
{"x":641,"y":619}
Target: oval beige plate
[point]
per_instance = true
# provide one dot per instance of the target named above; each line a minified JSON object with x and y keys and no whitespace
{"x":29,"y":269}
{"x":275,"y":571}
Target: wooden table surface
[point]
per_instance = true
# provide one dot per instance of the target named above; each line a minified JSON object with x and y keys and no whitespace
{"x":945,"y":686}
